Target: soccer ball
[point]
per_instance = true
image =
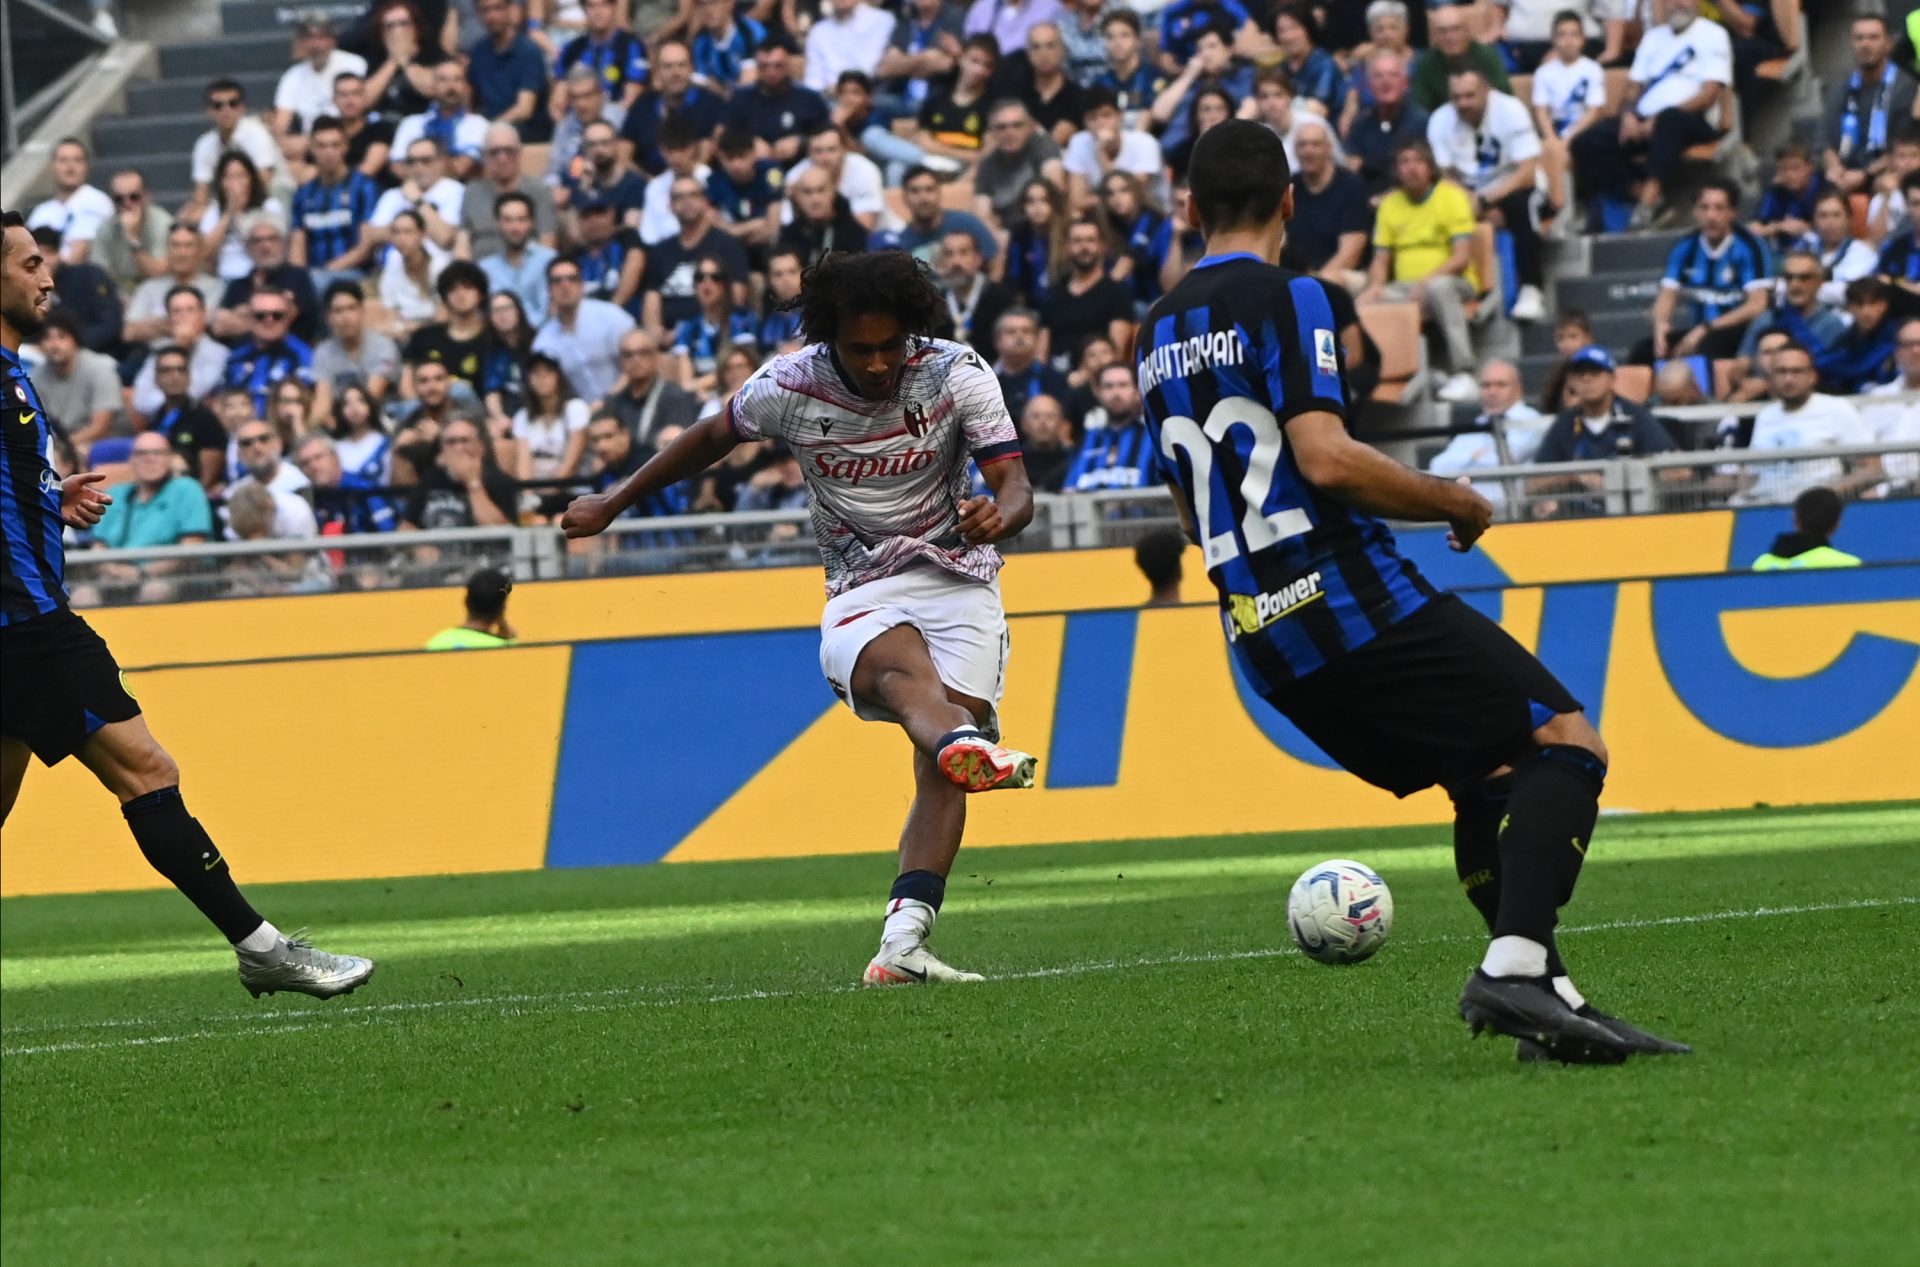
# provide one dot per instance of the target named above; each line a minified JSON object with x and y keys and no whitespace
{"x":1340,"y":911}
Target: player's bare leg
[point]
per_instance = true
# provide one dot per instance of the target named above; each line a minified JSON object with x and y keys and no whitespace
{"x":132,"y":765}
{"x":14,"y":756}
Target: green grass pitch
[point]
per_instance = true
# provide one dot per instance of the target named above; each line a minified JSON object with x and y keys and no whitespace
{"x":670,"y":1065}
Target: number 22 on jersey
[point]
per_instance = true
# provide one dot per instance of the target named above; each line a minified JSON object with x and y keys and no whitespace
{"x":1260,"y":528}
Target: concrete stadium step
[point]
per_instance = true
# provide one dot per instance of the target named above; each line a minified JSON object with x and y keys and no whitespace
{"x":1535,"y":369}
{"x":1607,"y":293}
{"x":254,"y":17}
{"x":189,"y":94}
{"x":1644,"y":253}
{"x":234,"y":55}
{"x":1615,"y":331}
{"x":138,"y":134}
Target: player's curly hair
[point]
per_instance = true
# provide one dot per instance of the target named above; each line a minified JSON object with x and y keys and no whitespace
{"x":843,"y":286}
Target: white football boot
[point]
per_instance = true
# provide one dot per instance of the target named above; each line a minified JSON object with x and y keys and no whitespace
{"x":911,"y":963}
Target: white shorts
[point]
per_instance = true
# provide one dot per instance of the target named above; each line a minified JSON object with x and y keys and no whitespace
{"x":962,"y":621}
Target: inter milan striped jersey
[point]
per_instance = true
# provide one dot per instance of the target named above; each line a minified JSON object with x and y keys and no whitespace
{"x":1226,"y":359}
{"x":885,"y":478}
{"x":32,"y":557}
{"x":332,"y":215}
{"x":1716,"y":279}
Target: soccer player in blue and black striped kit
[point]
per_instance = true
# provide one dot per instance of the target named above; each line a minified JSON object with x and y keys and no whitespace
{"x":62,"y":694}
{"x":1244,"y":379}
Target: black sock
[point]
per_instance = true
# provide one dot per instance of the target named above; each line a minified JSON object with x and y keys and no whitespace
{"x":178,"y":847}
{"x":920,"y":886}
{"x":1477,"y":815}
{"x":1550,"y":817}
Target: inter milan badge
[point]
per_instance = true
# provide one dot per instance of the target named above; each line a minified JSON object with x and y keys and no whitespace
{"x":916,"y":420}
{"x":20,"y":392}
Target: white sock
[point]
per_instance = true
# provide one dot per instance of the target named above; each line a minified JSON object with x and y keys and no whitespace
{"x":1563,"y":986}
{"x":1515,"y":957}
{"x":908,"y":921}
{"x":260,"y":940}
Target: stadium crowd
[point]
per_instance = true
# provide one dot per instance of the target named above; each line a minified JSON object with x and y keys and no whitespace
{"x":475,"y":255}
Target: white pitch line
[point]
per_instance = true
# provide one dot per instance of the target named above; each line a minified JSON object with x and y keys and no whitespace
{"x":622,"y":1000}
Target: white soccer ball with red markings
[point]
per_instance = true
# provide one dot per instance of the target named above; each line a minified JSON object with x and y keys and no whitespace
{"x":1340,"y":911}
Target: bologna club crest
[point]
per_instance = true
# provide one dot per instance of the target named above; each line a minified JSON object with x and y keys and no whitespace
{"x":916,"y":420}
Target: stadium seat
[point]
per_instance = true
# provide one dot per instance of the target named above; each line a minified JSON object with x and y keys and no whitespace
{"x":1635,"y":382}
{"x":1792,"y":23}
{"x":534,"y":159}
{"x":116,"y":473}
{"x":111,"y":449}
{"x":1403,"y":353}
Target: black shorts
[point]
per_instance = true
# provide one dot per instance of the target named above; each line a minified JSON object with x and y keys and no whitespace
{"x":1444,"y":697}
{"x":58,"y":684}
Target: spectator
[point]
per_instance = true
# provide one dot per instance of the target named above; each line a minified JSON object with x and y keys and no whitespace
{"x":685,"y":151}
{"x":410,"y":278}
{"x":1752,"y":382}
{"x":614,"y":54}
{"x":1046,"y":443}
{"x":853,"y":176}
{"x":820,"y":219}
{"x":77,"y":209}
{"x":1008,"y":21}
{"x":1050,"y":95}
{"x":131,"y":245}
{"x":465,"y":487}
{"x":1087,"y":300}
{"x":601,"y":173}
{"x":1572,"y":331}
{"x":610,"y":256}
{"x":1082,"y":24}
{"x":924,"y":49}
{"x":155,"y":508}
{"x":86,"y":293}
{"x":400,"y":81}
{"x":1121,"y":454}
{"x":1158,"y":555}
{"x":1899,"y":260}
{"x":1720,"y":271}
{"x":1183,"y":22}
{"x":272,"y":354}
{"x":486,"y":625}
{"x":344,"y":502}
{"x":1800,"y":417}
{"x":260,"y":449}
{"x":778,"y":112}
{"x":1389,"y":31}
{"x":521,"y":263}
{"x":463,"y":342}
{"x":1864,"y":107}
{"x":724,"y":44}
{"x":929,"y":221}
{"x":975,"y":301}
{"x":1422,"y":237}
{"x":1600,"y":424}
{"x":504,"y":68}
{"x":1569,"y":96}
{"x":1037,"y":245}
{"x":672,"y":94}
{"x":1842,"y":256}
{"x":267,"y":249}
{"x":952,"y":119}
{"x":305,"y":91}
{"x":1887,"y":209}
{"x":779,"y":329}
{"x":1679,"y":76}
{"x":360,"y":438}
{"x":1273,"y":106}
{"x":462,"y":134}
{"x":436,"y":198}
{"x":1378,"y":131}
{"x":617,"y":455}
{"x":369,"y":136}
{"x":352,"y":353}
{"x":644,"y":400}
{"x":1138,"y":224}
{"x":1453,"y":49}
{"x":503,"y":382}
{"x":1319,"y":85}
{"x":1785,"y":213}
{"x":1506,"y":432}
{"x":1134,"y":80}
{"x":186,"y":330}
{"x":1797,"y":309}
{"x":240,"y":204}
{"x":1862,"y":356}
{"x":1528,"y":30}
{"x":582,"y":335}
{"x":189,"y":427}
{"x":1332,"y":216}
{"x":1816,"y":517}
{"x":1898,"y":422}
{"x":292,"y":409}
{"x":1094,"y":352}
{"x":417,"y":442}
{"x":667,"y":279}
{"x":1020,"y":154}
{"x":1676,"y":385}
{"x":703,"y":339}
{"x":1485,"y":142}
{"x":479,"y":235}
{"x":1106,"y":145}
{"x":848,"y":35}
{"x":586,"y":102}
{"x":1022,"y":374}
{"x":78,"y":386}
{"x":552,"y":426}
{"x":332,"y":213}
{"x":1214,"y":70}
{"x":146,"y":312}
{"x":781,"y":485}
{"x":233,"y":130}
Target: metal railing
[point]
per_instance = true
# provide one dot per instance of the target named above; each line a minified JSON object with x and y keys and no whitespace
{"x":784,"y":538}
{"x":44,"y":52}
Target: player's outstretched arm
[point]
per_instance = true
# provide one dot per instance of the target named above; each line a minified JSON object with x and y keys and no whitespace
{"x":1367,"y":479}
{"x":988,"y":519}
{"x":693,"y":451}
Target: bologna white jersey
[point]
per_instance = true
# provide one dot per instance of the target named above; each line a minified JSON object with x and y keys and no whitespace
{"x":885,"y":478}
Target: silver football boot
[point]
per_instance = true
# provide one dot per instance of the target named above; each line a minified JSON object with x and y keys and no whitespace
{"x":298,"y":966}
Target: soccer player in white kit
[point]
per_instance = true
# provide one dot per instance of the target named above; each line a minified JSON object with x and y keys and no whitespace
{"x":884,"y":420}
